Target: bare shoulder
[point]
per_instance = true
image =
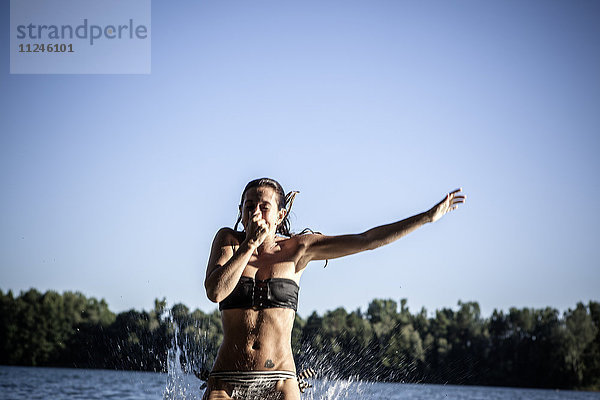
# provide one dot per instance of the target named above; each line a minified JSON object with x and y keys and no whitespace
{"x":307,"y":239}
{"x":228,"y":237}
{"x":223,"y":247}
{"x":303,"y":243}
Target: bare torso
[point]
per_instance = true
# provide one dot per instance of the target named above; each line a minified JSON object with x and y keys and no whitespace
{"x":260,"y":339}
{"x":256,"y":340}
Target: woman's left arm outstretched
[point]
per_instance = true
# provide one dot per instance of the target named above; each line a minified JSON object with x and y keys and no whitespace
{"x":322,"y":247}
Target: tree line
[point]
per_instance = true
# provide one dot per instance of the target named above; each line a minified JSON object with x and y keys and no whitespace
{"x":521,"y":348}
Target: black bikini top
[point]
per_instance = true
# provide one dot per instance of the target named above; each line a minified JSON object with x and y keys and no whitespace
{"x":270,"y":293}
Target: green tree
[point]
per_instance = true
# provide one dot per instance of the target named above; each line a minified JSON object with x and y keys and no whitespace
{"x":580,"y":333}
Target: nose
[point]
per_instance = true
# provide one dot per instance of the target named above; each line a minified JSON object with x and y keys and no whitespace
{"x":254,"y":211}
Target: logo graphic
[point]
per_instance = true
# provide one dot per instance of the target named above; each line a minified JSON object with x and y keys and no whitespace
{"x":80,"y":37}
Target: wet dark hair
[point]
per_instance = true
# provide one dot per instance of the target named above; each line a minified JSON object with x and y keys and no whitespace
{"x":283,"y":201}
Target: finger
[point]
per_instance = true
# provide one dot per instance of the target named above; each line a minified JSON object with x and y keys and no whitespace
{"x":456,"y":191}
{"x":455,"y":198}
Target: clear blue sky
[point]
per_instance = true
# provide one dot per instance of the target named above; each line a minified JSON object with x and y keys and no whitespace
{"x":114,"y":185}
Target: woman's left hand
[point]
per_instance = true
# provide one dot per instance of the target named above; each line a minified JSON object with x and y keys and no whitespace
{"x":449,"y":203}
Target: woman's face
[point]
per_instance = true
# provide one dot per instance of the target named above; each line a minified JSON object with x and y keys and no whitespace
{"x":263,"y":200}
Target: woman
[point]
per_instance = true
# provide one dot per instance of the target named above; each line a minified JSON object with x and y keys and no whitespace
{"x":254,"y":276}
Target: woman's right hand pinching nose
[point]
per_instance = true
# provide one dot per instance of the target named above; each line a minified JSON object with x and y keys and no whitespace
{"x":257,"y":230}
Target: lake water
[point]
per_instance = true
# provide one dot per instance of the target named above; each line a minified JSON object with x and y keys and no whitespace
{"x":66,"y":384}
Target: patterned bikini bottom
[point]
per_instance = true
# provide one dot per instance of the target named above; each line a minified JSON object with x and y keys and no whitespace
{"x":253,"y":385}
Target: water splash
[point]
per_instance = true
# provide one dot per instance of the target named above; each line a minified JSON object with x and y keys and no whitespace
{"x":330,"y":383}
{"x":181,"y":382}
{"x":336,"y":389}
